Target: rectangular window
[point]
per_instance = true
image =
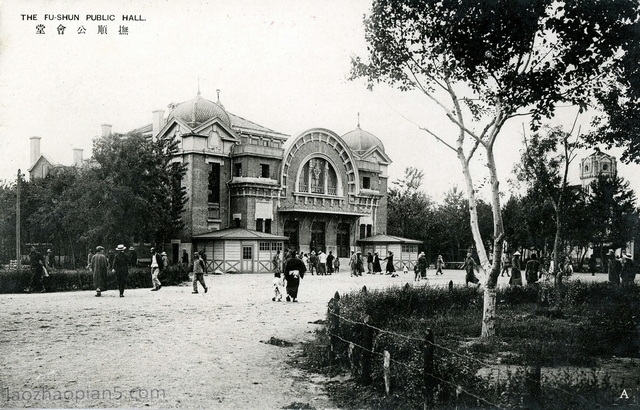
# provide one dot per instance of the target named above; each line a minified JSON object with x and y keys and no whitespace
{"x":236,"y":222}
{"x":265,"y":246}
{"x":274,"y":246}
{"x":214,"y":183}
{"x":369,"y":229}
{"x":265,"y":143}
{"x":237,"y":170}
{"x":247,"y":252}
{"x":267,"y":226}
{"x":259,"y":225}
{"x":366,"y":182}
{"x":362,"y":230}
{"x":264,"y":170}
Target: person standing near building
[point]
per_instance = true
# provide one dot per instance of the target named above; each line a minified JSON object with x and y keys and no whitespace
{"x":313,"y":262}
{"x":198,"y":273}
{"x":421,"y":271}
{"x":322,"y":263}
{"x":628,"y":272}
{"x":184,"y":261}
{"x":121,"y":268}
{"x":277,"y":263}
{"x":532,"y":269}
{"x":336,"y":265}
{"x":156,"y":260}
{"x":439,"y":265}
{"x":37,"y":271}
{"x":330,"y":259}
{"x":203,"y":256}
{"x":369,"y":263}
{"x":470,"y":268}
{"x":100,"y":266}
{"x":294,"y":270}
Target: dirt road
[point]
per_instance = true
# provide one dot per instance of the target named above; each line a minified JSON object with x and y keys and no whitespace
{"x":168,"y":348}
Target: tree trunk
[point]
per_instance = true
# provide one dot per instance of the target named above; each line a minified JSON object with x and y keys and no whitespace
{"x":489,"y":313}
{"x":556,"y":250}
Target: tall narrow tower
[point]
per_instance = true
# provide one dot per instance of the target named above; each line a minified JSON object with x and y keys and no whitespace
{"x":595,"y":165}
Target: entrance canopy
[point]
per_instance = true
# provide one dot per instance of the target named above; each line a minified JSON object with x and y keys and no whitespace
{"x":239,"y":234}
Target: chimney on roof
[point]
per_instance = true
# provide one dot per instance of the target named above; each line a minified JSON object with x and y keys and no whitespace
{"x":106,"y":130}
{"x":35,"y":149}
{"x":158,"y":122}
{"x":77,"y":157}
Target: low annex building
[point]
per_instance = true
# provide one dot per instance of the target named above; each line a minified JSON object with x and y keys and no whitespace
{"x":253,"y":191}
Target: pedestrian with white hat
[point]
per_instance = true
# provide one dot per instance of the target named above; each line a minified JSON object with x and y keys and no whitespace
{"x":121,"y":268}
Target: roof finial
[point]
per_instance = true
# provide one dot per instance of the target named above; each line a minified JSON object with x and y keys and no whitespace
{"x":198,"y":85}
{"x":358,"y":120}
{"x":218,"y":92}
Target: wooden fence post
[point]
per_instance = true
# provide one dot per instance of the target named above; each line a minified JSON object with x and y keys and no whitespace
{"x":387,"y":372}
{"x":429,"y":380}
{"x":367,"y":344}
{"x":533,"y":398}
{"x":334,"y":326}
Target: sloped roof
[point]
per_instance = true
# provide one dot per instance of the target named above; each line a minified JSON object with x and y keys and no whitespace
{"x":388,"y":239}
{"x":239,"y":233}
{"x":237,"y":121}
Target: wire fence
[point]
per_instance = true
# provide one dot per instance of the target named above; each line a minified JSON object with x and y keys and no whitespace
{"x":334,"y":318}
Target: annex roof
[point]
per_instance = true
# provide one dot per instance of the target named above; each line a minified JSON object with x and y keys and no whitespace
{"x":240,"y":233}
{"x":388,"y":239}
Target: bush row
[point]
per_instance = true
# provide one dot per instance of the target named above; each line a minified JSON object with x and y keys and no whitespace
{"x":16,"y":281}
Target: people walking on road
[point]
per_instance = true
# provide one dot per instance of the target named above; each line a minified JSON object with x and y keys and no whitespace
{"x":369,"y":263}
{"x":516,"y":274}
{"x":506,"y":264}
{"x":330,"y":260}
{"x":37,"y":271}
{"x":376,"y":264}
{"x":278,"y":280}
{"x":614,"y":266}
{"x":593,"y":264}
{"x":421,"y":267}
{"x":165,"y":262}
{"x":100,"y":266}
{"x":439,"y":265}
{"x":470,"y":268}
{"x":156,"y":261}
{"x":336,"y":265}
{"x":121,"y":268}
{"x":198,"y":273}
{"x":390,"y":269}
{"x":294,"y":270}
{"x":532,"y":270}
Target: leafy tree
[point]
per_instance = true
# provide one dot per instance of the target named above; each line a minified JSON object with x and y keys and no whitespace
{"x":485,"y":62}
{"x":612,"y":209}
{"x":544,"y":167}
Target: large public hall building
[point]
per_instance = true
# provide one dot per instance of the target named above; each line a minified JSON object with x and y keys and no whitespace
{"x":253,"y":191}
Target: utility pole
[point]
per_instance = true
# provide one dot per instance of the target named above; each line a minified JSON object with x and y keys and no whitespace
{"x":18,"y":256}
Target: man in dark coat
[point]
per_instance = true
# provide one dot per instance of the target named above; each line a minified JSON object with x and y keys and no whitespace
{"x":532,"y":269}
{"x":99,"y":265}
{"x":330,"y":259}
{"x":294,"y":270}
{"x":121,"y":268}
{"x":422,"y":266}
{"x":628,"y":272}
{"x":37,"y":262}
{"x":614,"y":267}
{"x":376,"y":264}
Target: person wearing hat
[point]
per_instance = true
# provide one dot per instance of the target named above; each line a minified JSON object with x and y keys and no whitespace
{"x":48,"y":262}
{"x":390,"y":269}
{"x":121,"y":268}
{"x":614,"y":267}
{"x":165,"y":260}
{"x":99,"y":265}
{"x":294,"y":270}
{"x":532,"y":269}
{"x":439,"y":265}
{"x":516,"y":273}
{"x":628,"y":272}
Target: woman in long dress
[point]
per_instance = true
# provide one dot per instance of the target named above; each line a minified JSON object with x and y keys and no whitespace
{"x":294,"y":270}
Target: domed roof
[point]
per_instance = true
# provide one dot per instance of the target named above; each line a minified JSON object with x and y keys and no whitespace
{"x":361,"y":140}
{"x":198,"y":110}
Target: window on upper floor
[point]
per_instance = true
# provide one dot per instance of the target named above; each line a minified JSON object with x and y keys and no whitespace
{"x":264,"y":170}
{"x":318,"y":177}
{"x":214,"y":183}
{"x":237,"y":169}
{"x":366,"y":182}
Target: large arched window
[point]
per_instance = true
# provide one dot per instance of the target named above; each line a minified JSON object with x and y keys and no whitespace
{"x":318,"y":177}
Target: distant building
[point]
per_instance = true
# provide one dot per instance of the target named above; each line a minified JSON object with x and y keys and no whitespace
{"x":594,"y":165}
{"x":42,"y":165}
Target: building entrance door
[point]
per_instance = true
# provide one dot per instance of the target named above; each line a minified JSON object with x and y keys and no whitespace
{"x":318,"y":236}
{"x":342,"y":240}
{"x":291,"y":229}
{"x":247,"y":259}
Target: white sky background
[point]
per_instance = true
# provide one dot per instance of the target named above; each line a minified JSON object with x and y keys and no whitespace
{"x":281,"y":63}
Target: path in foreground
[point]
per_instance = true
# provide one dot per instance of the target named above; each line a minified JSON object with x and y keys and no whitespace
{"x":169,"y":348}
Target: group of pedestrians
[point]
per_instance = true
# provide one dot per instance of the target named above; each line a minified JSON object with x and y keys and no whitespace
{"x":41,"y":268}
{"x":320,"y":263}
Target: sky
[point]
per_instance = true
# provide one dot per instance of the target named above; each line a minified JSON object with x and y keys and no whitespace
{"x":283,"y":64}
